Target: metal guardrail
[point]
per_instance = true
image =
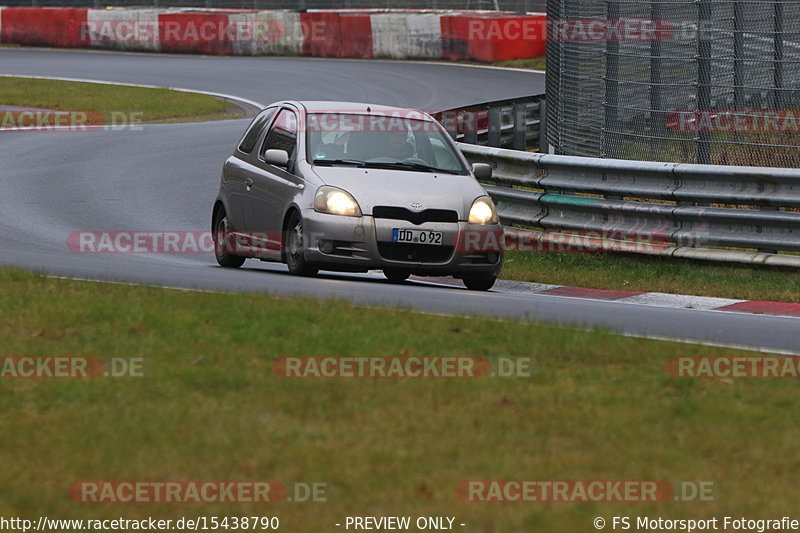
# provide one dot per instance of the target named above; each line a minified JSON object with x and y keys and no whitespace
{"x":722,"y":213}
{"x":516,"y":123}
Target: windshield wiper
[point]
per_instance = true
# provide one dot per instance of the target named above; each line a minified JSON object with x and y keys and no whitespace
{"x":413,"y":166}
{"x":354,"y":162}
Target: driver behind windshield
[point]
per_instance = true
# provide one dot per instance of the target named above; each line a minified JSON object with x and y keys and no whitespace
{"x":366,"y":146}
{"x":397,"y":146}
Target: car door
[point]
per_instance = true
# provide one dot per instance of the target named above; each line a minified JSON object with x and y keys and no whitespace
{"x":237,"y":169}
{"x":269,"y":184}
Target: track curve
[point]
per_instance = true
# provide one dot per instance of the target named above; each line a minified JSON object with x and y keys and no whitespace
{"x":165,"y":177}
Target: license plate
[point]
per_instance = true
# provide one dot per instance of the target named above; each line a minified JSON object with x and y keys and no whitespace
{"x":416,"y":236}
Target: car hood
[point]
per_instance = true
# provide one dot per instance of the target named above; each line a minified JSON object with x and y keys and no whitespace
{"x":400,"y":188}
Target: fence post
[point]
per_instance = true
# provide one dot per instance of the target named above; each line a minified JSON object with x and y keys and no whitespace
{"x":738,"y":56}
{"x":544,"y":146}
{"x":778,"y":65}
{"x":611,"y":100}
{"x":657,"y":126}
{"x":703,"y":78}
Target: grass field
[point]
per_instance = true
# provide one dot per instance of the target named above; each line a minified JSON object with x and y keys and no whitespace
{"x":100,"y":101}
{"x":208,"y":407}
{"x":654,"y":274}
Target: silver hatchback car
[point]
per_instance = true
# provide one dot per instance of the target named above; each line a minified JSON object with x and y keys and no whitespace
{"x":355,"y":187}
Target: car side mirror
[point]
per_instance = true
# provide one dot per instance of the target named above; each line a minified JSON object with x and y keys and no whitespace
{"x":279,"y":158}
{"x":482,"y":171}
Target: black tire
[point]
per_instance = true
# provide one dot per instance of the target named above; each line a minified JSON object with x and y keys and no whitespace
{"x":295,"y":247}
{"x":479,"y":284}
{"x":222,"y":242}
{"x":396,"y":276}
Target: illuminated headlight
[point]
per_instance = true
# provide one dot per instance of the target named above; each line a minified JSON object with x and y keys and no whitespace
{"x":336,"y":202}
{"x":483,"y":211}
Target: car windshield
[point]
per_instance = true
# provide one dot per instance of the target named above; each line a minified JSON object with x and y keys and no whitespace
{"x":380,"y":141}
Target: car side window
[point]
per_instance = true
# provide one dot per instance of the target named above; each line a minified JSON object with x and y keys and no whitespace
{"x":283,"y":134}
{"x":255,"y":129}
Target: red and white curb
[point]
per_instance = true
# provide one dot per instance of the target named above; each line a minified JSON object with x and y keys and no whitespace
{"x":653,"y":299}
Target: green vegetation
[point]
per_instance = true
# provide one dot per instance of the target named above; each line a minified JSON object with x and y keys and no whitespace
{"x":598,"y":406}
{"x":535,"y":63}
{"x":654,"y":274}
{"x":100,"y":101}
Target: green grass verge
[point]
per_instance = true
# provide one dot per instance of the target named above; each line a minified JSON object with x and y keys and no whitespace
{"x":150,"y":105}
{"x":535,"y":63}
{"x":599,"y":406}
{"x":655,"y":274}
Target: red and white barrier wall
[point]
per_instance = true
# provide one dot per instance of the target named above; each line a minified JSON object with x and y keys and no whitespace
{"x":474,"y":35}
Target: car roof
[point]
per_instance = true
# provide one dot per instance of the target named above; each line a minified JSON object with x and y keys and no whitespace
{"x":323,"y":106}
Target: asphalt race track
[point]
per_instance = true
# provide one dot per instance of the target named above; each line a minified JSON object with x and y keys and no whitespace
{"x":165,"y":177}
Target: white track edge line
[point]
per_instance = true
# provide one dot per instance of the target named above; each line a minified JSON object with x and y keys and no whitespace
{"x":144,"y":86}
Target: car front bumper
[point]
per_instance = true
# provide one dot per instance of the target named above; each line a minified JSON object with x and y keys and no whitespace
{"x":364,"y":243}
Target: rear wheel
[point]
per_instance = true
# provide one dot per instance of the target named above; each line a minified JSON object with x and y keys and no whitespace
{"x":295,"y":248}
{"x":223,"y":242}
{"x":479,"y":284}
{"x":396,"y":276}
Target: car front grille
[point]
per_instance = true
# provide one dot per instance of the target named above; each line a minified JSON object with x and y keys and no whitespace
{"x":415,"y":217}
{"x":415,"y":253}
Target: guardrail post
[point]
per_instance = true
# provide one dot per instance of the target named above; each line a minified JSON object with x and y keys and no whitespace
{"x":544,"y":146}
{"x":768,"y":208}
{"x":449,"y":120}
{"x":495,"y":124}
{"x":520,"y":116}
{"x":469,"y":121}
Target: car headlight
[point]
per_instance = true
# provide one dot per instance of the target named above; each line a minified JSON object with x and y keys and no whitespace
{"x":482,"y":211}
{"x":336,"y":202}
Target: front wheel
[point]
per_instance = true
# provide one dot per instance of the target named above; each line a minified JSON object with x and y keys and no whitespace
{"x":223,"y":242}
{"x":479,"y":284}
{"x":295,"y":248}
